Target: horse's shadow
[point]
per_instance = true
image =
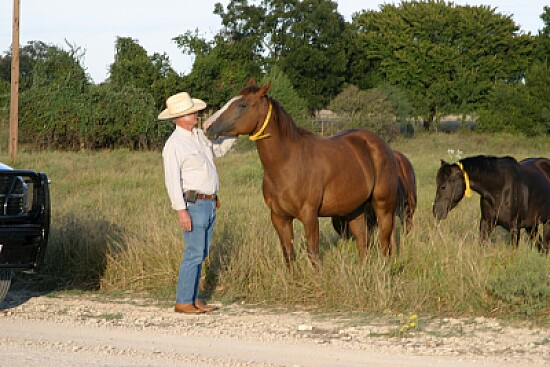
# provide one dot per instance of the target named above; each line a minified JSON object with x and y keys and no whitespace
{"x":66,"y":266}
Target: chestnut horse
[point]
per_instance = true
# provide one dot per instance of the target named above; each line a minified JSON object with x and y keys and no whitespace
{"x":307,"y":176}
{"x":406,"y":200}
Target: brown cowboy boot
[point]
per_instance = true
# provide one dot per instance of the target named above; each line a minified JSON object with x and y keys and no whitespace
{"x":206,"y":308}
{"x":187,"y":308}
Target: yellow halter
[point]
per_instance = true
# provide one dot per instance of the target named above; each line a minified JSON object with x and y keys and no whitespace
{"x":468,"y":191}
{"x":259,"y":135}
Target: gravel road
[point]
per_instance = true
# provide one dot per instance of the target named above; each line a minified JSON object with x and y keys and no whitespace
{"x":93,"y":330}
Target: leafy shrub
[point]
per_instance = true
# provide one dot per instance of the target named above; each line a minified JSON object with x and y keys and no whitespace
{"x":523,"y":285}
{"x":69,"y":118}
{"x":523,"y":108}
{"x":367,"y":109}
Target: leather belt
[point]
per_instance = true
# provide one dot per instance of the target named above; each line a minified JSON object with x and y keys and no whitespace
{"x":203,"y":196}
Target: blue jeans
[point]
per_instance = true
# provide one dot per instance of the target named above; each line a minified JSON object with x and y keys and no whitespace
{"x":197,"y":244}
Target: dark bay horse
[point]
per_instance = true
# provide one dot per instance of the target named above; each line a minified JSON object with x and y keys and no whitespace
{"x":406,"y":199}
{"x":307,"y":176}
{"x":512,"y":195}
{"x":541,"y":165}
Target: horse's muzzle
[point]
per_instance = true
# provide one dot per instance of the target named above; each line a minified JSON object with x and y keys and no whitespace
{"x":211,"y":134}
{"x":439,"y":212}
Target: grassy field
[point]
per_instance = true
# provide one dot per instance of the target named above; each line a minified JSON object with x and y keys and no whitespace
{"x":113,"y":230}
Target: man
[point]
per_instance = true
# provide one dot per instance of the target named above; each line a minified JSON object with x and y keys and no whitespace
{"x":192,"y":184}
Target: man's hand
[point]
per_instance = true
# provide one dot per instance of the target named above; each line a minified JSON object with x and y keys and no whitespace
{"x":185,"y":220}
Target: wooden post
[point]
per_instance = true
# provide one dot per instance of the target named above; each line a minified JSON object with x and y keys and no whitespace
{"x":14,"y":102}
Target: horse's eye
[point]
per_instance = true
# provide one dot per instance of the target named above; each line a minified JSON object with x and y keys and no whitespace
{"x":443,"y":187}
{"x":242,"y":105}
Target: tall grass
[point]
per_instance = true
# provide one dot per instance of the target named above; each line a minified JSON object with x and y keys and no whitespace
{"x":113,"y":230}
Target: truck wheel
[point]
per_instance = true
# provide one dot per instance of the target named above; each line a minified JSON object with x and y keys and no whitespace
{"x":5,"y":281}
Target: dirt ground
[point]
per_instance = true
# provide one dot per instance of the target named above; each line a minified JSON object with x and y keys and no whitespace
{"x":93,"y":330}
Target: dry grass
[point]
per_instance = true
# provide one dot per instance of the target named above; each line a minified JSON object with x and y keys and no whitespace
{"x":113,"y":230}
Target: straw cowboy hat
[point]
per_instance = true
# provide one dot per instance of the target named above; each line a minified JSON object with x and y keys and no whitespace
{"x":181,"y":104}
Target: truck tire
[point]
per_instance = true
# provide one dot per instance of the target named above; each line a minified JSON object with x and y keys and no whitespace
{"x":5,"y":282}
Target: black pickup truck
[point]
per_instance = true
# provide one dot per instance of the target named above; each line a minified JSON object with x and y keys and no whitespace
{"x":24,"y":222}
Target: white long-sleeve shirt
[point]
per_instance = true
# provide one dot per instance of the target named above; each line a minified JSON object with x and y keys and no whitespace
{"x":189,"y":164}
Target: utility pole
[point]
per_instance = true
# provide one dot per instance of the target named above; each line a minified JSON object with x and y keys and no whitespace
{"x":14,"y":102}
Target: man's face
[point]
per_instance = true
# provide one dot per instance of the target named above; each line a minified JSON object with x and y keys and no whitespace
{"x":188,"y":121}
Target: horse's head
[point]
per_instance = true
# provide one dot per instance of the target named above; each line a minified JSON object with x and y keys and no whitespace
{"x":450,"y":188}
{"x":242,"y":114}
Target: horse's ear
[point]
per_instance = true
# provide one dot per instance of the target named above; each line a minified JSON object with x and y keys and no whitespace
{"x":265,"y":88}
{"x":251,"y":82}
{"x":443,"y":163}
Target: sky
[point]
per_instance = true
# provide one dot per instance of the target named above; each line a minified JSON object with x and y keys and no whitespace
{"x":93,"y":26}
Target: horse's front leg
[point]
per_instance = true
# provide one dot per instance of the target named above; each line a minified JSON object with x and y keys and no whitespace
{"x":285,"y":231}
{"x":310,"y":220}
{"x":486,"y":227}
{"x":488,"y":220}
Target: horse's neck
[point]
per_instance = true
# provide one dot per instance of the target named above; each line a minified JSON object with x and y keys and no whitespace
{"x":282,"y":143}
{"x":483,"y":181}
{"x":274,"y":152}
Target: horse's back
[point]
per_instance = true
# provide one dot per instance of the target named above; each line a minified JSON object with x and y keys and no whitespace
{"x":358,"y":160}
{"x":367,"y":143}
{"x":541,"y":165}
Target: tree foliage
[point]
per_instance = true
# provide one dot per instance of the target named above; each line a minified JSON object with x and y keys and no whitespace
{"x":152,"y":74}
{"x":62,"y":110}
{"x":29,"y":55}
{"x":221,"y":69}
{"x":315,"y":56}
{"x":543,"y":38}
{"x":415,"y":59}
{"x":523,"y":108}
{"x":446,"y":57}
{"x":304,"y":38}
{"x":283,"y":91}
{"x":366,"y":109}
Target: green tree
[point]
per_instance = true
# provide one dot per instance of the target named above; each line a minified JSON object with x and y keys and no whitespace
{"x":367,"y":109}
{"x":62,"y":110}
{"x":520,"y":108}
{"x":220,"y":68}
{"x":152,"y":74}
{"x":543,"y":38}
{"x":447,"y":57}
{"x":306,"y":39}
{"x":29,"y":55}
{"x":61,"y":69}
{"x":132,"y":65}
{"x":283,"y":91}
{"x":315,"y":57}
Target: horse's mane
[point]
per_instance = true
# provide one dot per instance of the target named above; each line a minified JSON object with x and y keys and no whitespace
{"x":286,"y":123}
{"x":486,"y":164}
